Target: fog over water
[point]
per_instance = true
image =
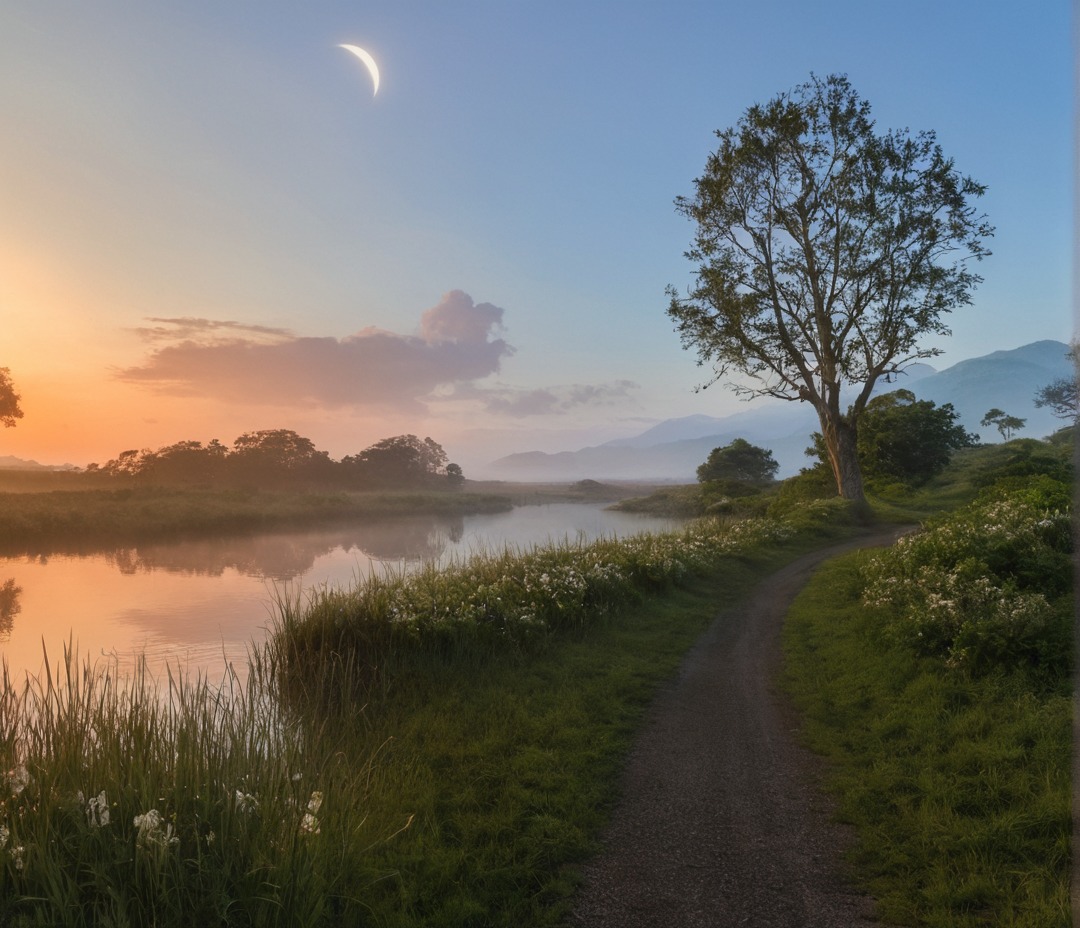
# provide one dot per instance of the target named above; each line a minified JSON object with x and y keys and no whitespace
{"x":201,"y":603}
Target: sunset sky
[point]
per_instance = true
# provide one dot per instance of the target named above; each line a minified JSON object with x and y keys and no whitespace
{"x":209,"y":225}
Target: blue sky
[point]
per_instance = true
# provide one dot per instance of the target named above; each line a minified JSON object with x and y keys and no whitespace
{"x":226,"y":162}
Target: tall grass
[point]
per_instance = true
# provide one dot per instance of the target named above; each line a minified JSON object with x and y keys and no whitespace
{"x":168,"y":802}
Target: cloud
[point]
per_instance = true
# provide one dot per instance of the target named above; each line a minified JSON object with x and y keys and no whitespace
{"x":192,"y":328}
{"x":546,"y":401}
{"x":371,"y":368}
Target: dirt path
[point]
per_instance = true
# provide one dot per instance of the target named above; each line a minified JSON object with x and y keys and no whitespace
{"x":721,"y":821}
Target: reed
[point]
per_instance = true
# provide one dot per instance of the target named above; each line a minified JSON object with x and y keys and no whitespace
{"x":167,"y":802}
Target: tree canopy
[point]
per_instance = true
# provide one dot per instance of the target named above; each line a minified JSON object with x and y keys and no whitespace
{"x":740,"y":461}
{"x":909,"y":440}
{"x":283,"y":458}
{"x":825,"y":250}
{"x":404,"y":459}
{"x":9,"y":399}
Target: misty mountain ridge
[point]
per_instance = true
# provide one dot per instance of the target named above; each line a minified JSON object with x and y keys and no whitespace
{"x":762,"y":419}
{"x":673,"y":449}
{"x":9,"y":462}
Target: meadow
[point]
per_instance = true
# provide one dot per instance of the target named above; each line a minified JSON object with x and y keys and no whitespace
{"x":443,"y":747}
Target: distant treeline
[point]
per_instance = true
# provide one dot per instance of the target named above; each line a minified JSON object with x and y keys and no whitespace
{"x":282,"y":458}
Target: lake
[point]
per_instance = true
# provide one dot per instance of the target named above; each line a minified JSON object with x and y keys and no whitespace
{"x":200,"y":604}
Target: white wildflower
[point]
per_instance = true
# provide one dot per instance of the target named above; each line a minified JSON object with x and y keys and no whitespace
{"x":18,"y":779}
{"x":153,"y":832}
{"x":245,"y":802}
{"x":309,"y":824}
{"x":97,"y":810}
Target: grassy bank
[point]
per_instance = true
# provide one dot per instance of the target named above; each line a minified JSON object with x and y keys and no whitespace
{"x":446,"y":770}
{"x":69,"y":519}
{"x":935,"y":677}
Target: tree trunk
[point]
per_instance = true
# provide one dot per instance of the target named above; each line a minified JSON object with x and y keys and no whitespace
{"x":839,"y":437}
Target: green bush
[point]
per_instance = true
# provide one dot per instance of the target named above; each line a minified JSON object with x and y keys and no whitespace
{"x":983,"y":587}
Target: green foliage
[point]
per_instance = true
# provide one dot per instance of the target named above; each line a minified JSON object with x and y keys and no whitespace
{"x":739,"y":462}
{"x":1026,"y":457}
{"x":958,"y":785}
{"x":401,"y":461}
{"x":814,"y":483}
{"x":907,"y":440}
{"x":282,"y":459}
{"x":903,"y":442}
{"x":983,"y":587}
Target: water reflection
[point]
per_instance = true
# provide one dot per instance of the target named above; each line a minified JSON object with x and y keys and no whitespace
{"x":202,"y":603}
{"x":285,"y":555}
{"x":9,"y":607}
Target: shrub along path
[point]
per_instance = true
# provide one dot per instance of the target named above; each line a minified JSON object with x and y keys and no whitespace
{"x":722,"y":821}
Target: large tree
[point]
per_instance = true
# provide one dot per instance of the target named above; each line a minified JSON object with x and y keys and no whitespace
{"x":825,"y":251}
{"x":9,"y":399}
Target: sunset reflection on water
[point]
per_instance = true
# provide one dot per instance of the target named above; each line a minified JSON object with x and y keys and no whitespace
{"x":200,"y":604}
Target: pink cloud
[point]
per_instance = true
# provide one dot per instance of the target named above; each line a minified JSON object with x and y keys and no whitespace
{"x":371,"y":368}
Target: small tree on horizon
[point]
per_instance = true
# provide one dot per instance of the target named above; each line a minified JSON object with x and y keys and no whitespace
{"x":1003,"y":422}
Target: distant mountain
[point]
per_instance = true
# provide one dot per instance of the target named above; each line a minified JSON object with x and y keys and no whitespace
{"x":674,"y":448}
{"x":7,"y":462}
{"x":1005,"y":379}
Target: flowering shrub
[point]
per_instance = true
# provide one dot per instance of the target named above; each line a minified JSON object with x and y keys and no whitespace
{"x":980,"y":587}
{"x":510,"y":598}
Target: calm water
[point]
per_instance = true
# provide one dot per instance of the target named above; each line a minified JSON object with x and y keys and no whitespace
{"x":201,"y":603}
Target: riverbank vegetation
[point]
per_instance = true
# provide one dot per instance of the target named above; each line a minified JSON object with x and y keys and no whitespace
{"x":71,"y":520}
{"x":431,"y":749}
{"x":280,"y":458}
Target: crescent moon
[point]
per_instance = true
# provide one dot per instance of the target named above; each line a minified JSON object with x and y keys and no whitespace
{"x":369,"y":63}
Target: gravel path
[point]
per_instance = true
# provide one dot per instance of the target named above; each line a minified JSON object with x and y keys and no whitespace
{"x":721,"y":821}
